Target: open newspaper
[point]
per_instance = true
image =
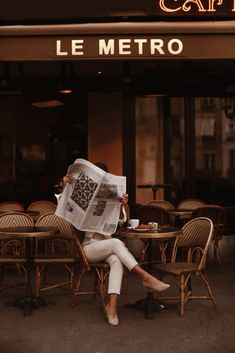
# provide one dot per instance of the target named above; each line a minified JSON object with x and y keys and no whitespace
{"x":91,"y":202}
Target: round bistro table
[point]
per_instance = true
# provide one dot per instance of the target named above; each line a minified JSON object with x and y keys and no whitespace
{"x":150,"y":304}
{"x":29,"y":301}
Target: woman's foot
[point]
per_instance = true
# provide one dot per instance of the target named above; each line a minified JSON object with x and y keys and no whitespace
{"x":111,"y":316}
{"x":159,"y":287}
{"x":154,"y":283}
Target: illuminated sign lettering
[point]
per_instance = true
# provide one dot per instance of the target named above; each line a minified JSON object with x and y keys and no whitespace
{"x":201,"y":6}
{"x":119,"y":47}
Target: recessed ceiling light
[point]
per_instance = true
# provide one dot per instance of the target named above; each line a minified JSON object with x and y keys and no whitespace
{"x":66,"y":90}
{"x":47,"y":104}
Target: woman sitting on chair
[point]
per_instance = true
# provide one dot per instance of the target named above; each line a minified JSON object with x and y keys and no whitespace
{"x":100,"y":247}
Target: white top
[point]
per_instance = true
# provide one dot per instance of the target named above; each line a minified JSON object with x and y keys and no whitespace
{"x":91,"y":237}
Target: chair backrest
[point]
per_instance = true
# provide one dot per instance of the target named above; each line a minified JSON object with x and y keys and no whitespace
{"x":195,"y":239}
{"x":64,"y":243}
{"x":42,"y":206}
{"x":161,"y":203}
{"x":214,"y":212}
{"x":51,"y":220}
{"x":11,"y":206}
{"x":152,"y":213}
{"x":191,"y":203}
{"x":15,"y":219}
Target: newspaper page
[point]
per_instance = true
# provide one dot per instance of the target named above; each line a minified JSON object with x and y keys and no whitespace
{"x":91,"y":202}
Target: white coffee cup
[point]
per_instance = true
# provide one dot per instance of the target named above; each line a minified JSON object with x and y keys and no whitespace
{"x":133,"y":223}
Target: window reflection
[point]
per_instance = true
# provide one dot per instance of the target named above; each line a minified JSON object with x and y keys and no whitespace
{"x":160,"y":149}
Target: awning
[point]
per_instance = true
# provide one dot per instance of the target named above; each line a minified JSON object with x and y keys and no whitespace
{"x":115,"y":41}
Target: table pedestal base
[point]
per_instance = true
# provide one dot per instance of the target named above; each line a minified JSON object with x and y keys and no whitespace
{"x":149,"y":305}
{"x":28,"y":303}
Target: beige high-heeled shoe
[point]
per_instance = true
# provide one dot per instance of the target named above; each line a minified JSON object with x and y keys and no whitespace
{"x":159,"y":286}
{"x":112,"y":320}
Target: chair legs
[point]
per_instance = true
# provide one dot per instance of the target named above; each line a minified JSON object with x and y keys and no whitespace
{"x":217,"y":253}
{"x":186,"y":292}
{"x":182,"y":294}
{"x":102,"y":286}
{"x":99,"y":284}
{"x":40,"y":269}
{"x":205,"y":280}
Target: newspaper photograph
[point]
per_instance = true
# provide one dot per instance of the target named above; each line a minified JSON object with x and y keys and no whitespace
{"x":91,"y":202}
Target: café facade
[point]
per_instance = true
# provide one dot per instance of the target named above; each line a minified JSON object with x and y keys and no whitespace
{"x":146,"y":87}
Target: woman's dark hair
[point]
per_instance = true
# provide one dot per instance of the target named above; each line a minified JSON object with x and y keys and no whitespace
{"x":102,"y":166}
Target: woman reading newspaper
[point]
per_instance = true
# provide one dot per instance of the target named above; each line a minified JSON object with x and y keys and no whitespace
{"x":99,"y":247}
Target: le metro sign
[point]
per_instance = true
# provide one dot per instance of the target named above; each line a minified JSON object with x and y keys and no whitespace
{"x":119,"y":47}
{"x":152,"y":47}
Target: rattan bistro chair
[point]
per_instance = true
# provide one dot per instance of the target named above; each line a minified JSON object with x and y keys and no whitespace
{"x":167,"y":205}
{"x":55,"y":252}
{"x":193,"y":243}
{"x":217,"y":215}
{"x":10,"y":206}
{"x":12,"y":251}
{"x":191,"y":203}
{"x":152,"y":213}
{"x":161,"y":203}
{"x":100,"y":270}
{"x":42,"y":206}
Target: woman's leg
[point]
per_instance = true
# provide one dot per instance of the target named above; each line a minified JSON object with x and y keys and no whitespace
{"x":149,"y":280}
{"x":114,"y":288}
{"x":98,"y":251}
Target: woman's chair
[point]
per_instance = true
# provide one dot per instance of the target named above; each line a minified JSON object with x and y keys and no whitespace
{"x":189,"y":258}
{"x":101,"y":271}
{"x":55,"y":252}
{"x":12,"y":251}
{"x":217,"y":215}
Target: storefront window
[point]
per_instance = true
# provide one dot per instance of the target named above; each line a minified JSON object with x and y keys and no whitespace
{"x":159,"y":146}
{"x":215,"y":151}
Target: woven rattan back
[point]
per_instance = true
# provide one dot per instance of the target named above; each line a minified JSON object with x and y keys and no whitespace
{"x":42,"y":206}
{"x":214,"y":212}
{"x":15,"y":219}
{"x":51,"y":220}
{"x":152,"y":213}
{"x":195,"y":238}
{"x":191,"y":203}
{"x":11,"y":206}
{"x":161,"y":203}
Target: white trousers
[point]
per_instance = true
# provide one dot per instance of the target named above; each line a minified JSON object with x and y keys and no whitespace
{"x":115,"y":253}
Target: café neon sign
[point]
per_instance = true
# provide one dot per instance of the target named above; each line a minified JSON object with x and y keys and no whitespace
{"x":170,"y":6}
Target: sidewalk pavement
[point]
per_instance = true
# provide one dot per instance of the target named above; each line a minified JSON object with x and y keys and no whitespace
{"x":61,"y":328}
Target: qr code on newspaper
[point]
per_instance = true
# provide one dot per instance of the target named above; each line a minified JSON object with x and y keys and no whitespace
{"x":83,"y":191}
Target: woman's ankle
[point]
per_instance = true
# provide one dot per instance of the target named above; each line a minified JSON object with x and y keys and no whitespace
{"x":111,"y":310}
